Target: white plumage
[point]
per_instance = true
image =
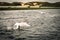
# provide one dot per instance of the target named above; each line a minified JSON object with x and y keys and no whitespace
{"x":22,"y":24}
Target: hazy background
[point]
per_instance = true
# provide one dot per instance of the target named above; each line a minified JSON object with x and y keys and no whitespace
{"x":29,"y":0}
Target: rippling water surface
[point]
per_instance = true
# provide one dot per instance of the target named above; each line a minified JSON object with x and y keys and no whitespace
{"x":45,"y":24}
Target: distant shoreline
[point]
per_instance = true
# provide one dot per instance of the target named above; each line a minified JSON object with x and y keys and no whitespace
{"x":19,"y":8}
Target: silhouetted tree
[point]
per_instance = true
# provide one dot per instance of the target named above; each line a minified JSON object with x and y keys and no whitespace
{"x":4,"y":4}
{"x":57,"y":4}
{"x":16,"y":3}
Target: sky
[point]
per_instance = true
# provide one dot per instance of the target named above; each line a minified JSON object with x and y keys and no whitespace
{"x":52,"y":1}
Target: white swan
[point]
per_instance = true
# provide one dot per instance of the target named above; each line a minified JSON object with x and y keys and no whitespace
{"x":22,"y":24}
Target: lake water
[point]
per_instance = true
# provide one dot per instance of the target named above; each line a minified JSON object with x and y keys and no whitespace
{"x":45,"y":24}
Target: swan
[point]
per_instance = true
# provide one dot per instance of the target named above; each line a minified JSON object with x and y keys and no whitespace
{"x":21,"y":24}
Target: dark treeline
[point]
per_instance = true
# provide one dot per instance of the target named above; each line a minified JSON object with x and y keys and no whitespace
{"x":56,"y":4}
{"x":10,"y":4}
